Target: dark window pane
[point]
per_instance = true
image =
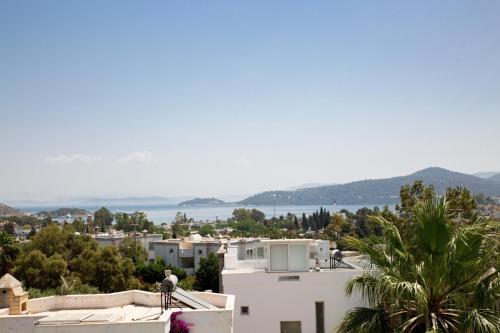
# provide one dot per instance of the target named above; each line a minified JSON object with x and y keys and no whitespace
{"x":320,"y":317}
{"x":291,"y":327}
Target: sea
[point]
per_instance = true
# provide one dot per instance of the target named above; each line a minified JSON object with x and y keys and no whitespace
{"x":166,"y":213}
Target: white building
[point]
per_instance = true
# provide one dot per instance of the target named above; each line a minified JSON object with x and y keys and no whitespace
{"x":115,"y":238}
{"x":185,"y":253}
{"x":292,"y":289}
{"x":130,"y":311}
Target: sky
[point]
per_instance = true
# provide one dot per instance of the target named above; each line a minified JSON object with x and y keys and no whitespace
{"x":218,"y":98}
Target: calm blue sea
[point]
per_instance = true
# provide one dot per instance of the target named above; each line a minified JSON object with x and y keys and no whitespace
{"x":166,"y":213}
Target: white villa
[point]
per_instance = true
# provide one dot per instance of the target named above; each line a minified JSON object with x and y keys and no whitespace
{"x":292,"y":288}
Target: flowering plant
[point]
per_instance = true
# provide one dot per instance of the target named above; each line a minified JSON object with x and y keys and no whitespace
{"x":178,"y":325}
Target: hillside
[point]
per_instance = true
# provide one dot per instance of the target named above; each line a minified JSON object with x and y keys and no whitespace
{"x":375,"y":191}
{"x":63,"y":212}
{"x":495,"y":177}
{"x":485,"y":174}
{"x":202,"y":201}
{"x":9,"y":211}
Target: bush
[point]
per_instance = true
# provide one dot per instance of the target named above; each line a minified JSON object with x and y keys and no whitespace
{"x":188,"y":283}
{"x":207,"y":276}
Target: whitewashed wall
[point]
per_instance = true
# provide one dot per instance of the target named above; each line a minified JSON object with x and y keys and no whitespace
{"x":271,"y":301}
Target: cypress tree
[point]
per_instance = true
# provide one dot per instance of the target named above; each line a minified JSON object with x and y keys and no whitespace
{"x":305,"y":224}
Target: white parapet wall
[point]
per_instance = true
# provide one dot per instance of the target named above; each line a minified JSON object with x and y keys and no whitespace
{"x":19,"y":324}
{"x":208,"y":321}
{"x":218,"y":320}
{"x":93,"y":301}
{"x":211,"y":320}
{"x":119,"y":327}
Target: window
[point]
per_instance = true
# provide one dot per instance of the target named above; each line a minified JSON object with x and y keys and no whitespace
{"x":290,"y":326}
{"x":297,"y":258}
{"x":289,"y":278}
{"x":244,"y":310}
{"x":279,"y":257}
{"x":200,"y":251}
{"x":320,"y":317}
{"x":288,"y":258}
{"x":171,"y":251}
{"x":260,"y":252}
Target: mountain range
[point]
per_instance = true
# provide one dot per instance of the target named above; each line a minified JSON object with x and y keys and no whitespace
{"x":377,"y":191}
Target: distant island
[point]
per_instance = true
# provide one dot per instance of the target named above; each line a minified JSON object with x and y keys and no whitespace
{"x":202,"y":201}
{"x":377,"y":191}
{"x":6,"y":211}
{"x":63,"y":212}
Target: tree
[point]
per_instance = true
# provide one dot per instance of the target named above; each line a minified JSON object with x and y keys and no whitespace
{"x":240,"y":214}
{"x":410,"y":195}
{"x":31,"y":233}
{"x":461,"y":202}
{"x":123,"y":222}
{"x":207,"y":276}
{"x":257,"y":215}
{"x":39,"y":271}
{"x":207,"y":229}
{"x":103,"y":218}
{"x":10,"y":228}
{"x":180,"y":217}
{"x":362,"y":217}
{"x":105,"y":269}
{"x":305,"y":224}
{"x":50,"y":240}
{"x":130,"y":248}
{"x":441,"y":280}
{"x":152,"y":272}
{"x":248,"y":225}
{"x":79,"y":225}
{"x":8,"y":252}
{"x":331,"y":231}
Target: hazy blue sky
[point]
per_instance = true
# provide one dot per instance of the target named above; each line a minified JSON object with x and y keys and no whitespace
{"x":118,"y":98}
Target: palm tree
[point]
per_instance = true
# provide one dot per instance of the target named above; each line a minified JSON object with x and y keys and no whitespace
{"x":440,"y":280}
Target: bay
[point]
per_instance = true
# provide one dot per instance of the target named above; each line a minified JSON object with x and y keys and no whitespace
{"x":166,"y":213}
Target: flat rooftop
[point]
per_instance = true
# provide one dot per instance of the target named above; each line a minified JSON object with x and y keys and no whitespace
{"x":246,"y":266}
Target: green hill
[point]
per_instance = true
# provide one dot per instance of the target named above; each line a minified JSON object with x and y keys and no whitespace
{"x":63,"y":212}
{"x":375,"y":191}
{"x":202,"y":201}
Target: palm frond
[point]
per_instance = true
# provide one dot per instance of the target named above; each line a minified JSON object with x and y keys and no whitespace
{"x":364,"y":320}
{"x":481,"y":321}
{"x":433,"y":231}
